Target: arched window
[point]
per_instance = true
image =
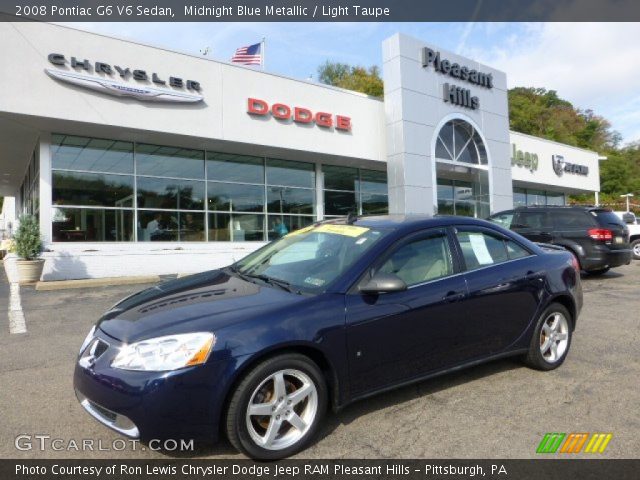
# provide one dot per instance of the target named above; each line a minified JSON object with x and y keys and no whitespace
{"x":458,"y":141}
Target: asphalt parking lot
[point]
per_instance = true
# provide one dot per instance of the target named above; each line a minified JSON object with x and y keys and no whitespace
{"x":497,"y":410}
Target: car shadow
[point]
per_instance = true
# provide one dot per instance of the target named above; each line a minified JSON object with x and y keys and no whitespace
{"x":379,"y":401}
{"x":604,"y":276}
{"x":408,"y":393}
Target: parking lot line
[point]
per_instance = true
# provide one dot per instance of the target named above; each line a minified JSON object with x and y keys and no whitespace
{"x":17,"y":323}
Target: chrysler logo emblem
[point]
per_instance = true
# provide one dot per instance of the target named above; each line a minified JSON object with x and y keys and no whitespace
{"x":558,"y":164}
{"x":120,"y":89}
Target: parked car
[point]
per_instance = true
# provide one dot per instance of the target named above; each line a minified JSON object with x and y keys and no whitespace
{"x":633,"y":224}
{"x":322,"y":317}
{"x":596,"y":236}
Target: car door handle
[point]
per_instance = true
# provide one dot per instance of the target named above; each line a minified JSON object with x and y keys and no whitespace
{"x":453,"y":296}
{"x":533,"y":276}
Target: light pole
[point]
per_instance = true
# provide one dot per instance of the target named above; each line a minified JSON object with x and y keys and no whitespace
{"x":627,"y":195}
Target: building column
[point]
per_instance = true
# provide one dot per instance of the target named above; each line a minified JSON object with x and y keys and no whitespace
{"x":319,"y":192}
{"x":409,"y":121}
{"x":44,"y":154}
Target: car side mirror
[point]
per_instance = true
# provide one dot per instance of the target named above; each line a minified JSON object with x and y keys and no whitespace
{"x":383,"y":283}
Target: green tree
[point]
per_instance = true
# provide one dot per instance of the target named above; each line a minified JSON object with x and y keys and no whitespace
{"x":357,"y":78}
{"x":543,"y":113}
{"x":28,"y":244}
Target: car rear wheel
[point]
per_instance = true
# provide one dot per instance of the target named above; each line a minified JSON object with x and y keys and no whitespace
{"x":277,"y":407}
{"x":551,"y":339}
{"x":635,"y":249}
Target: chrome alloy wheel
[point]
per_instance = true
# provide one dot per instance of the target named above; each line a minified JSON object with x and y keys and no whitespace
{"x":636,"y":249}
{"x":554,"y":337}
{"x":282,"y":409}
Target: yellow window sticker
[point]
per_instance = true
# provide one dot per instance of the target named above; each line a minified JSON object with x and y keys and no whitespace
{"x":347,"y":230}
{"x":301,"y":231}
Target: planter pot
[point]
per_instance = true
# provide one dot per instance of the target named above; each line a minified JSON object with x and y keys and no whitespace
{"x":29,"y":271}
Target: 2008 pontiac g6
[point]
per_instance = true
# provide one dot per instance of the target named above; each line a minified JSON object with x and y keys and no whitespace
{"x":326,"y":315}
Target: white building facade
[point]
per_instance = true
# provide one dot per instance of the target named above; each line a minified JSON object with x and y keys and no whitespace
{"x":139,"y":160}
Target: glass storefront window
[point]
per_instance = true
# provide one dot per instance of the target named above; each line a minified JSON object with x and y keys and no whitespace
{"x":281,"y":225}
{"x":76,"y":188}
{"x":290,"y":200}
{"x":555,"y":198}
{"x":523,"y":197}
{"x":91,"y":154}
{"x":92,"y":225}
{"x":161,"y":190}
{"x":459,"y":141}
{"x":536,"y":197}
{"x":227,"y":167}
{"x":519,"y":197}
{"x":235,"y":197}
{"x":340,"y":203}
{"x":228,"y":227}
{"x":373,"y":181}
{"x":340,"y":178}
{"x":170,"y":194}
{"x":162,"y":226}
{"x":374,"y":204}
{"x":161,"y":161}
{"x":289,"y":173}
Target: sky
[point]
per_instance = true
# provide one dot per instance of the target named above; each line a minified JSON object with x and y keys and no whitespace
{"x":593,"y":65}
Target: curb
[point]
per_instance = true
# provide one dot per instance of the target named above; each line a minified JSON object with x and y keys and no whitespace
{"x":95,"y":282}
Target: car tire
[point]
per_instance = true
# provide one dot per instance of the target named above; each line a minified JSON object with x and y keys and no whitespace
{"x":635,"y":249}
{"x":550,"y":342}
{"x":266,"y":419}
{"x":599,"y":271}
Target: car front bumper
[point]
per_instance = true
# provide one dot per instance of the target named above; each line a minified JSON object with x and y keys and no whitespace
{"x":181,"y":404}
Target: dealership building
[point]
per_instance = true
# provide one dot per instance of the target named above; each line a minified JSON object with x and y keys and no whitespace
{"x":138,"y":160}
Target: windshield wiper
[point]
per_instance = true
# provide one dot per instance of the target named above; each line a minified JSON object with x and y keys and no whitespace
{"x":283,"y":284}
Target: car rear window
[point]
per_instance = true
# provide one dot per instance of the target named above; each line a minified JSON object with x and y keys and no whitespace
{"x":606,"y":217}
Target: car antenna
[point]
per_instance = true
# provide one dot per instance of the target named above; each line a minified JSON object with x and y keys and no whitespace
{"x":351,"y":218}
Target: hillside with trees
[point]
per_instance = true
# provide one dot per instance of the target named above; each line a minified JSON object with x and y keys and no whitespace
{"x":539,"y":112}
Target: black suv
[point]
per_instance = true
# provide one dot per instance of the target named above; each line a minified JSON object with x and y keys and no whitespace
{"x":596,"y":236}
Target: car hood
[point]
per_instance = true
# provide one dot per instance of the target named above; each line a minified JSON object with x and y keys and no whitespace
{"x":203,"y":302}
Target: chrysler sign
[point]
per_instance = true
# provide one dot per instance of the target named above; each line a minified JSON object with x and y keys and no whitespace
{"x":181,"y":91}
{"x":560,"y":166}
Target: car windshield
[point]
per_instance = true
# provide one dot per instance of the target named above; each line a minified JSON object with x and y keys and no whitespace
{"x":308,"y":260}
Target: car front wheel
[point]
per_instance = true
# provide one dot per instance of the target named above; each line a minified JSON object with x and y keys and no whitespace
{"x":277,"y":407}
{"x":635,"y":249}
{"x":551,"y":339}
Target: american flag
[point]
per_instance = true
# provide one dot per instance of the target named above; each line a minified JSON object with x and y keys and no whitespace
{"x":251,"y":55}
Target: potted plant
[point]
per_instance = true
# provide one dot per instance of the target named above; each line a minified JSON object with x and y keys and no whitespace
{"x":28,"y":247}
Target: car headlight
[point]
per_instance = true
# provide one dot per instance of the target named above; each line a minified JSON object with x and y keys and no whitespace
{"x":166,"y":353}
{"x":87,"y":339}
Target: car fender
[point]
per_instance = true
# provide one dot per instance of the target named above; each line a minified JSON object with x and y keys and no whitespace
{"x":573,"y":247}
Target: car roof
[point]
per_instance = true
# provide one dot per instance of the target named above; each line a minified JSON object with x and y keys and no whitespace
{"x":587,"y":208}
{"x":409,"y":222}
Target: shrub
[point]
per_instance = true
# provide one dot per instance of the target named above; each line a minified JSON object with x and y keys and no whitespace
{"x":28,"y":244}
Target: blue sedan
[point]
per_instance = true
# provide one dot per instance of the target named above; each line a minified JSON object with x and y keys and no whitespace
{"x":326,"y":315}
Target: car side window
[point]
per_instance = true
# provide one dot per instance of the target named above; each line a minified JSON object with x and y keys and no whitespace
{"x":420,"y":261}
{"x":515,"y":251}
{"x":571,"y":219}
{"x":537,"y":220}
{"x":481,"y":249}
{"x":503,"y":219}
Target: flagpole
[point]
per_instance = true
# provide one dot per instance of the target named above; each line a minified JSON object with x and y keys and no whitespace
{"x":264,"y":52}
